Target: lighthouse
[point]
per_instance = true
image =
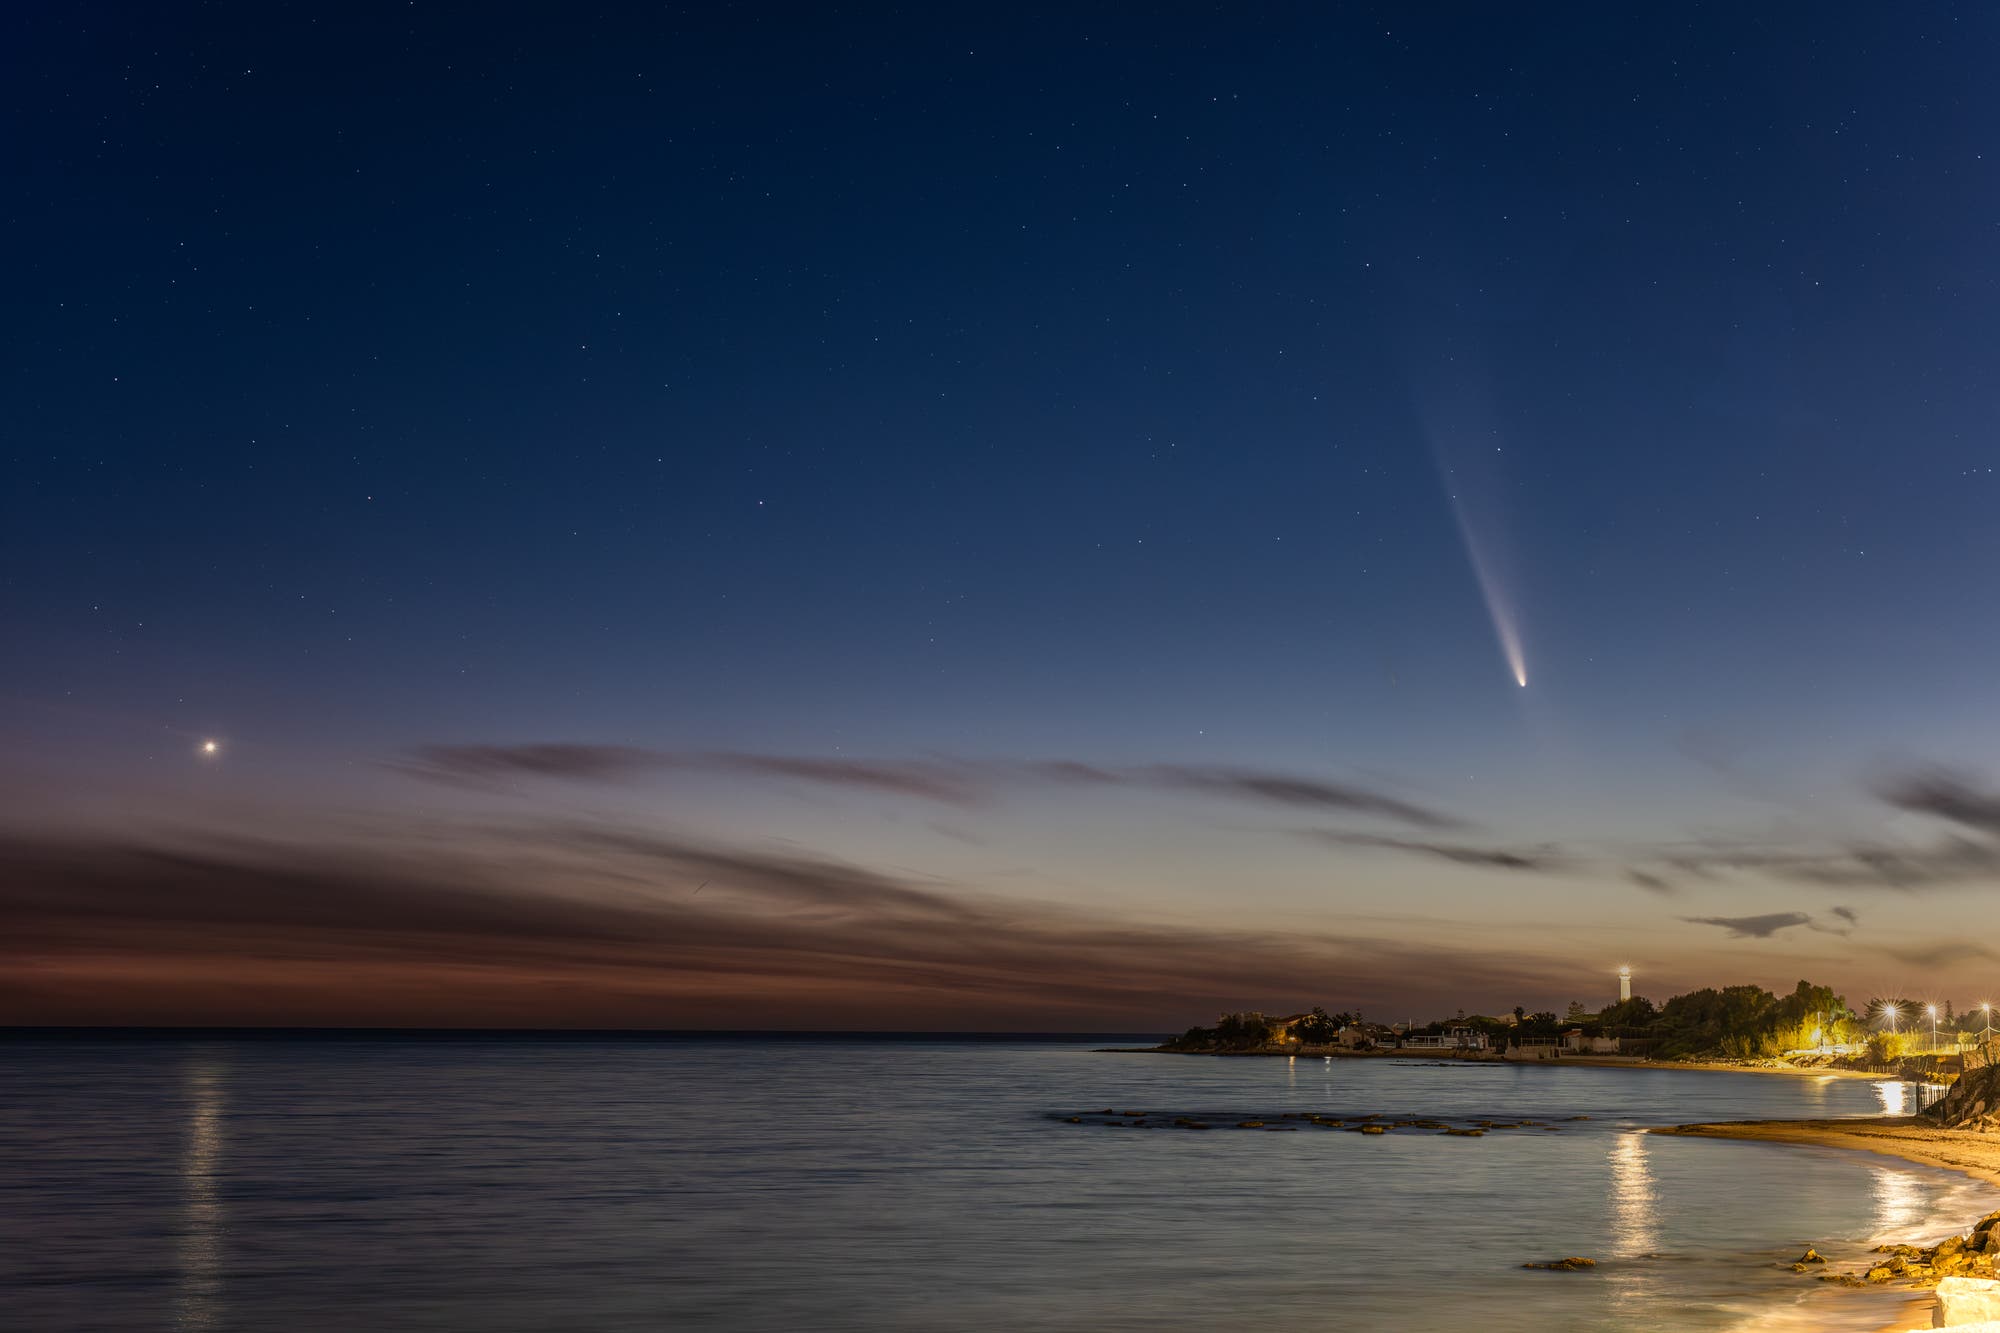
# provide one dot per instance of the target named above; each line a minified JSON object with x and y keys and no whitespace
{"x":1624,"y":984}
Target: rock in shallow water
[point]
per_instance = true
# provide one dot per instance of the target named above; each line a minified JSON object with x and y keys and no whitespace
{"x":1573,"y":1264}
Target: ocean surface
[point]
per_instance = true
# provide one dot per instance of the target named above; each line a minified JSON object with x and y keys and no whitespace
{"x":798,"y":1184}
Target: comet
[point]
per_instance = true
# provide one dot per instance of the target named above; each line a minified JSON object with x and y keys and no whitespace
{"x":1506,"y":628}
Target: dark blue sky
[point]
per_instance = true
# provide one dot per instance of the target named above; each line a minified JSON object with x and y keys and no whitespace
{"x":913,"y":387}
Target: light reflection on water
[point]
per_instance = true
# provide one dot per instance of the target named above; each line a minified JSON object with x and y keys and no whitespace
{"x":849,"y":1186}
{"x":200,"y":1298}
{"x":1902,"y":1205}
{"x":1632,"y":1196}
{"x":1900,"y":1098}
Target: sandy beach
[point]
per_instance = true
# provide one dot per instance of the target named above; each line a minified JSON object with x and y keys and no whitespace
{"x":1907,"y":1137}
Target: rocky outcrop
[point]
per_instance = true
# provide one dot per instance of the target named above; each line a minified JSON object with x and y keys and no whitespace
{"x":1573,"y":1264}
{"x":1973,"y":1102}
{"x":1968,"y":1256}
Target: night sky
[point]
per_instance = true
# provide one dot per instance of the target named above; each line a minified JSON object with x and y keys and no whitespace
{"x":761,"y":516}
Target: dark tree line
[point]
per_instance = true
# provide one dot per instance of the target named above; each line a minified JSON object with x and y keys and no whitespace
{"x":1734,"y":1021}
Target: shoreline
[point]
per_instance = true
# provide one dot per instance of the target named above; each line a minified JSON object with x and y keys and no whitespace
{"x":1909,"y":1139}
{"x":1452,"y":1057}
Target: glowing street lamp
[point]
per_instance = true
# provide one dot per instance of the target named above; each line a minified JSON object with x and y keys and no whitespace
{"x":1889,"y":1011}
{"x":1933,"y":1009}
{"x":1986,"y":1027}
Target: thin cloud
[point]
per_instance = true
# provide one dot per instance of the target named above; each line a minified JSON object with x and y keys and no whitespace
{"x":949,"y":783}
{"x":1288,"y":790}
{"x":1940,"y":953}
{"x":1492,"y":858}
{"x":945,"y":780}
{"x":1969,"y":853}
{"x":1946,"y":795}
{"x":490,"y":765}
{"x":1753,"y":927}
{"x":1652,"y":883}
{"x":1951,"y":860}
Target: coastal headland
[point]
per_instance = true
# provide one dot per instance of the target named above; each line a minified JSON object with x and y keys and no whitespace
{"x":1747,"y":1066}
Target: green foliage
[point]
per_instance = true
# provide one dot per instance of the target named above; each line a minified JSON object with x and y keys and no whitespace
{"x":1749,"y":1021}
{"x":1886,"y":1048}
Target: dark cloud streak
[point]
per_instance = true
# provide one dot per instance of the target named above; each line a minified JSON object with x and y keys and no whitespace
{"x":950,"y":781}
{"x":1753,"y":927}
{"x":568,"y":924}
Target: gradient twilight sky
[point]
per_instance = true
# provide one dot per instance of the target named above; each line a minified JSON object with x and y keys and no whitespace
{"x":890,"y":518}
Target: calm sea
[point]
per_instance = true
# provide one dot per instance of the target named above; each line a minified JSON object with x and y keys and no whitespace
{"x":921,"y":1185}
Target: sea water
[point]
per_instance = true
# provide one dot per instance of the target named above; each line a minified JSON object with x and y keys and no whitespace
{"x":796,"y":1184}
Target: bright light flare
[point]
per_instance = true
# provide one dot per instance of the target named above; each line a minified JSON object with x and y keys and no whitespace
{"x":210,"y":749}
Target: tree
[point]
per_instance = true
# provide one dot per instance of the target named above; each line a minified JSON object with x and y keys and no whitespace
{"x":1637,"y":1012}
{"x":1519,"y":1013}
{"x":1543,"y":1024}
{"x":1243,"y":1031}
{"x":1577,"y":1013}
{"x":1316,"y":1028}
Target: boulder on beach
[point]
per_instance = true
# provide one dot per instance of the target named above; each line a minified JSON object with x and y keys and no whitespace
{"x":1966,"y":1300}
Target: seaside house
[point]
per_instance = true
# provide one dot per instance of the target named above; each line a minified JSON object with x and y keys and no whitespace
{"x":1453,"y":1039}
{"x":1366,"y":1037}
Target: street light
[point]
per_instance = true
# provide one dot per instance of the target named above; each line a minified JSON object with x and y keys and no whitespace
{"x":1890,"y":1011}
{"x":1933,"y":1009}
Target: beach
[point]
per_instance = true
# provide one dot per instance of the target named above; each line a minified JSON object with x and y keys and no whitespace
{"x":1968,"y":1152}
